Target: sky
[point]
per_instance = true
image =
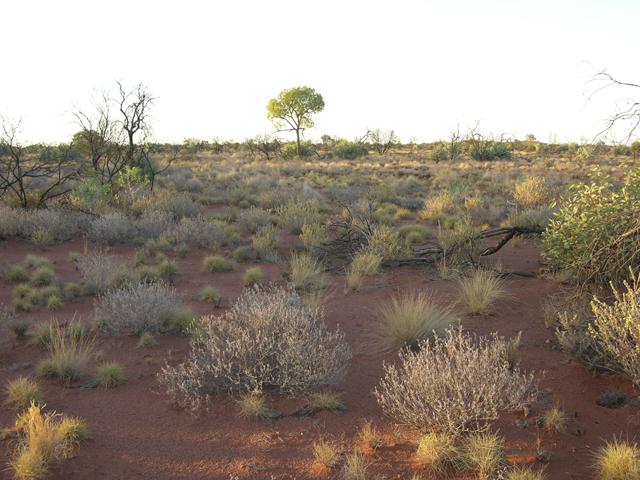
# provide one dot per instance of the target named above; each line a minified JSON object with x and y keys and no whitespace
{"x":420,"y":67}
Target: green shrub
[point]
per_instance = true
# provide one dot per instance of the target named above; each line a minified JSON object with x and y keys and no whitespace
{"x":110,"y":374}
{"x":210,"y":295}
{"x":216,"y":263}
{"x":587,"y":234}
{"x":16,"y":274}
{"x":265,"y":242}
{"x":349,"y":150}
{"x":289,"y":150}
{"x":296,"y":213}
{"x":42,"y":276}
{"x":252,"y":276}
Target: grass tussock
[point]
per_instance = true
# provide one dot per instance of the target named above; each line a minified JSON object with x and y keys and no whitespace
{"x":21,"y":393}
{"x":355,"y":467}
{"x":480,"y":291}
{"x":411,"y":318}
{"x":618,"y":460}
{"x":326,"y":453}
{"x":307,"y":273}
{"x":69,"y":353}
{"x":110,"y":374}
{"x":483,"y":454}
{"x":438,"y":451}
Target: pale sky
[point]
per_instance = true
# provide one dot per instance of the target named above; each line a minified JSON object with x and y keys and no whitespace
{"x":420,"y":67}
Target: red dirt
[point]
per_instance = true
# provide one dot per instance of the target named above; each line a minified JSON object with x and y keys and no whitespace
{"x":137,"y":434}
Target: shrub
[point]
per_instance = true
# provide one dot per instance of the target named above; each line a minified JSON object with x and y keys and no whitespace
{"x":483,"y":453}
{"x":410,"y":319}
{"x":111,"y":229}
{"x":587,"y":233}
{"x":110,"y":374}
{"x":216,"y":263}
{"x":54,"y":302}
{"x":180,"y":321}
{"x":415,"y":233}
{"x":42,"y":276}
{"x":253,"y":219}
{"x":369,"y":436}
{"x":265,"y":242}
{"x":198,"y":232}
{"x":618,"y":460}
{"x":269,"y":338}
{"x":252,"y":276}
{"x":244,"y":253}
{"x":307,"y":273}
{"x":153,"y":224}
{"x":133,"y":309}
{"x":294,"y":214}
{"x":615,"y":328}
{"x":98,"y":271}
{"x":16,"y":274}
{"x":69,"y":353}
{"x":455,"y":367}
{"x":210,"y":295}
{"x":349,"y":150}
{"x":289,"y":150}
{"x":325,"y":400}
{"x":21,"y":393}
{"x":72,"y":290}
{"x":147,"y":340}
{"x":480,"y":290}
{"x":179,"y":206}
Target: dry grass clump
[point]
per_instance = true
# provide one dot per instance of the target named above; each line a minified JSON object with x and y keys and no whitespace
{"x":98,"y":271}
{"x":369,"y":437}
{"x":296,"y":213}
{"x":524,"y":473}
{"x":269,"y":337}
{"x":110,"y":374}
{"x":355,"y":467}
{"x":252,"y":276}
{"x":554,"y":420}
{"x":253,"y":219}
{"x":197,"y":232}
{"x":437,"y":207}
{"x":363,"y":264}
{"x":44,"y":438}
{"x":415,"y":233}
{"x":111,"y":229}
{"x":313,"y":235}
{"x":22,"y":392}
{"x":618,"y":460}
{"x":531,"y":192}
{"x":411,"y":318}
{"x":216,"y":263}
{"x":455,"y":367}
{"x":480,"y":291}
{"x":265,"y":242}
{"x":211,"y":295}
{"x":134,"y":309}
{"x":70,"y":350}
{"x":147,"y":340}
{"x":385,"y":242}
{"x":307,"y":273}
{"x":325,"y":400}
{"x":326,"y":453}
{"x":483,"y":454}
{"x":16,"y":274}
{"x":438,"y":450}
{"x":252,"y":405}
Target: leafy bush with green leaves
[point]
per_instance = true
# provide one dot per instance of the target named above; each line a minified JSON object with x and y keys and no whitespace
{"x":589,"y":235}
{"x":349,"y":150}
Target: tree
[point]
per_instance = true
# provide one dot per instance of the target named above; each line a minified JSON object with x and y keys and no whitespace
{"x":33,"y":179}
{"x":134,"y":106}
{"x":628,"y":111}
{"x":381,"y":140}
{"x":101,"y":140}
{"x":292,"y":109}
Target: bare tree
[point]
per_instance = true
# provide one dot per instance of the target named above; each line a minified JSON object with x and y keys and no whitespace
{"x":265,"y":145}
{"x":19,"y":171}
{"x":628,"y":110}
{"x":382,"y":140}
{"x":134,"y":106}
{"x":102,"y":140}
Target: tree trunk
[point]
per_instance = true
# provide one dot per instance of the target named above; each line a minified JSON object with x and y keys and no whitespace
{"x":298,"y":142}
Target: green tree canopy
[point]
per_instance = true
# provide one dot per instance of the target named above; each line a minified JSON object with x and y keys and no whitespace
{"x":293,"y":108}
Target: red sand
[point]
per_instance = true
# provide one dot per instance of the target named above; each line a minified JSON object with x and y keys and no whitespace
{"x":137,"y":434}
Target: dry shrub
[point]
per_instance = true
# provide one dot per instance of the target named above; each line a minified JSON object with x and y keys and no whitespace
{"x":98,"y":271}
{"x":616,"y":328}
{"x":326,"y":453}
{"x":137,"y":308}
{"x":294,"y":214}
{"x":437,"y":207}
{"x":199,"y":232}
{"x":22,"y":392}
{"x":363,"y":264}
{"x":269,"y":338}
{"x":307,"y":273}
{"x":253,"y":219}
{"x":111,"y":229}
{"x":456,"y":383}
{"x":531,"y":192}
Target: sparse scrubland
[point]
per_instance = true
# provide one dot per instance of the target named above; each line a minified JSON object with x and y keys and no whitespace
{"x":357,"y":309}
